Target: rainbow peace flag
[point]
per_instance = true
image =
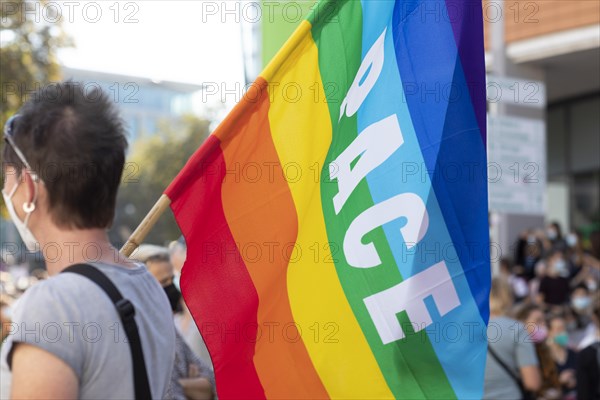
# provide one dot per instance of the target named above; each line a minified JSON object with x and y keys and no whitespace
{"x":336,"y":220}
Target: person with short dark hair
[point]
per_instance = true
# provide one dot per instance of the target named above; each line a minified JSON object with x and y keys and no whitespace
{"x":62,"y":162}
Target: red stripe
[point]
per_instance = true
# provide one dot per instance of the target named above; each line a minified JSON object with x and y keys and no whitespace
{"x":215,"y":282}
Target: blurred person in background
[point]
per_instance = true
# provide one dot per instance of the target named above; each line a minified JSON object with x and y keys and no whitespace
{"x":191,"y":378}
{"x":184,"y":320}
{"x":5,"y":320}
{"x":580,"y":324}
{"x":39,"y":274}
{"x":581,"y":275}
{"x":511,"y":368}
{"x":62,"y":162}
{"x":517,"y":283}
{"x":564,"y":358}
{"x":588,"y":365}
{"x":177,"y":254}
{"x":574,"y":253}
{"x":554,"y":286}
{"x":555,"y":237}
{"x":534,"y":284}
{"x":532,"y":316}
{"x":528,"y":252}
{"x":5,"y":329}
{"x":587,"y":274}
{"x":595,"y":244}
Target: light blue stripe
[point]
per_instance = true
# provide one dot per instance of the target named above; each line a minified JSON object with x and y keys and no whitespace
{"x":463,"y":359}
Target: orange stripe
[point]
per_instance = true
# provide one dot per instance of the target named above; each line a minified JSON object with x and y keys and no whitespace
{"x":261,"y":214}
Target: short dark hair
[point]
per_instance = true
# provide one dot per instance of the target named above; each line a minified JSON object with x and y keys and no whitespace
{"x":75,"y":141}
{"x":581,"y":286}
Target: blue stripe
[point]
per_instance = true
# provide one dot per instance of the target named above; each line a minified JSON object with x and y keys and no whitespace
{"x":432,"y":138}
{"x":450,"y":139}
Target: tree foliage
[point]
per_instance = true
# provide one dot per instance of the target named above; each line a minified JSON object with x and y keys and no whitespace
{"x":152,"y":164}
{"x":28,"y":54}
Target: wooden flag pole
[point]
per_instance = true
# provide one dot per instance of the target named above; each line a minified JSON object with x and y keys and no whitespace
{"x":140,"y":233}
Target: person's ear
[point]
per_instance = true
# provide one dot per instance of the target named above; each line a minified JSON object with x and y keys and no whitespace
{"x":31,"y":182}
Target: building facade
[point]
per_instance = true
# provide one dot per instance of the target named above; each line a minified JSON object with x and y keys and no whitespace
{"x":144,"y":103}
{"x":555,"y":44}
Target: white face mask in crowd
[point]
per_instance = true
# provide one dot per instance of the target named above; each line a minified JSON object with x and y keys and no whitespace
{"x":561,"y":268}
{"x":30,"y":241}
{"x":551,"y":233}
{"x":571,"y":240}
{"x":581,"y":303}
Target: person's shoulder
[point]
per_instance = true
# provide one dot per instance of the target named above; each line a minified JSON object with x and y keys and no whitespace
{"x":507,"y":331}
{"x":65,"y":295}
{"x":506,"y":321}
{"x":118,"y":272}
{"x":64,"y":290}
{"x":126,"y":278}
{"x":53,"y":289}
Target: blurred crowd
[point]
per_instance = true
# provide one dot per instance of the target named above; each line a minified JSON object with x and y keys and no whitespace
{"x":549,"y":290}
{"x":14,"y":280}
{"x":192,"y":374}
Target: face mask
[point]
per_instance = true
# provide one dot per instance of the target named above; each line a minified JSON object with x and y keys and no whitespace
{"x":561,"y":339}
{"x":30,"y":241}
{"x":571,"y":240}
{"x":174,"y":296}
{"x":580,"y":303}
{"x":551,"y":233}
{"x":561,"y":267}
{"x":539,"y":335}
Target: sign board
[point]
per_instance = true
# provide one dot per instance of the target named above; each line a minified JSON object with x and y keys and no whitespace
{"x":516,"y":92}
{"x":516,"y":165}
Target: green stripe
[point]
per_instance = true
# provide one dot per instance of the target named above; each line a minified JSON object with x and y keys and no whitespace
{"x":410,"y":366}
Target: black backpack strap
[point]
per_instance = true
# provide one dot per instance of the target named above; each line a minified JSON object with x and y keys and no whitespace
{"x":126,"y":313}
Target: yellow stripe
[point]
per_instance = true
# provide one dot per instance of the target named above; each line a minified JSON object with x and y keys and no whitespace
{"x":301,"y":129}
{"x":301,"y":34}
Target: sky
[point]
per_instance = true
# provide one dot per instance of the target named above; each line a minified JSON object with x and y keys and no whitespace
{"x":188,"y":41}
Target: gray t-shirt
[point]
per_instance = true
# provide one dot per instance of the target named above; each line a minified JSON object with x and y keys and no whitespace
{"x":512,"y":344}
{"x":71,"y":317}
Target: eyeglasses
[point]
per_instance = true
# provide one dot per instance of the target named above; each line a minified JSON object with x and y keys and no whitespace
{"x":9,"y":132}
